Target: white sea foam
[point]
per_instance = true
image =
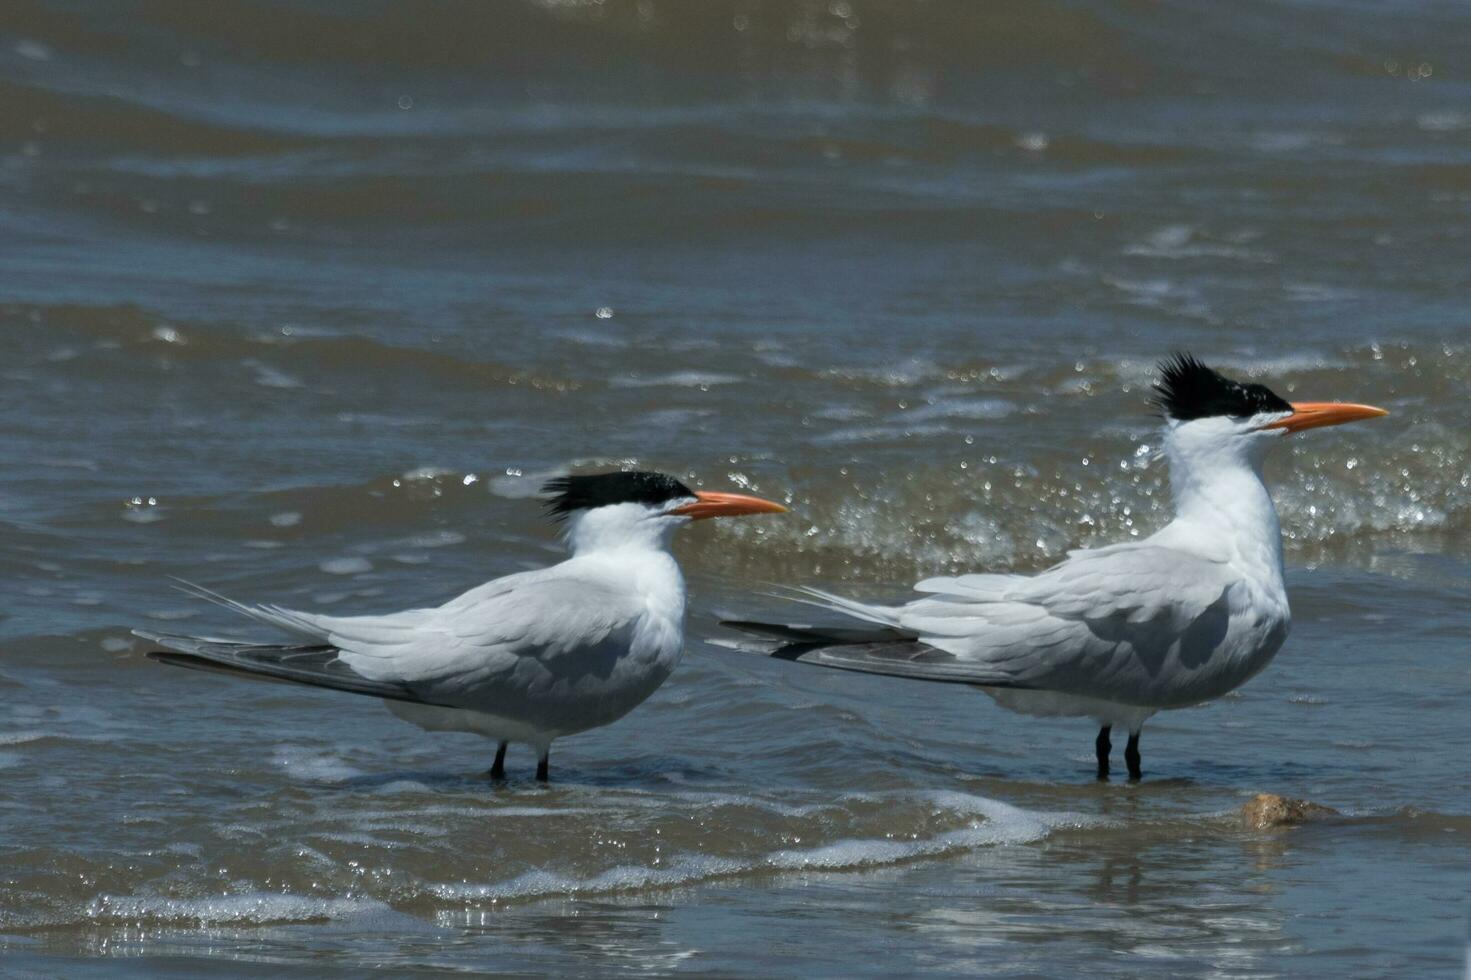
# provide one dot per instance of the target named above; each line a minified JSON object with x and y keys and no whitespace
{"x":269,"y":377}
{"x":536,"y":884}
{"x":1185,"y":242}
{"x":312,"y":767}
{"x":998,"y":824}
{"x":593,"y":338}
{"x":963,"y":408}
{"x":1002,"y":824}
{"x":32,"y":50}
{"x":677,"y":379}
{"x":426,"y":473}
{"x":346,"y":566}
{"x":247,"y":908}
{"x":880,"y":433}
{"x":435,"y":539}
{"x":171,"y":615}
{"x":905,"y":375}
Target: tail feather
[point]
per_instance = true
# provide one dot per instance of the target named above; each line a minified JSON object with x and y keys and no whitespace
{"x":869,"y":613}
{"x":882,"y":648}
{"x":315,"y":665}
{"x":282,"y":619}
{"x":909,"y":659}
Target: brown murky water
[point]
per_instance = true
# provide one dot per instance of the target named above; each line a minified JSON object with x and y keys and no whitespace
{"x":300,"y":300}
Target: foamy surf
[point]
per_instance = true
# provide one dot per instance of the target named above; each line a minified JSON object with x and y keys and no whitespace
{"x":251,"y":908}
{"x":986,"y":823}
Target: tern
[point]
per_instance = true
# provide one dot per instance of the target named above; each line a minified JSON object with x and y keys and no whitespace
{"x":1115,"y":633}
{"x":527,"y":658}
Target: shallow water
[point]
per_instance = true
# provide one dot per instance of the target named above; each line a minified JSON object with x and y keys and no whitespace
{"x":301,"y":301}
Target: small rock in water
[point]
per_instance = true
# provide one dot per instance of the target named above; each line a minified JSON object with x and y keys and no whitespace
{"x":1267,"y":810}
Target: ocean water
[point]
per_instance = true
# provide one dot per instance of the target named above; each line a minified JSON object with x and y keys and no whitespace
{"x":301,"y":301}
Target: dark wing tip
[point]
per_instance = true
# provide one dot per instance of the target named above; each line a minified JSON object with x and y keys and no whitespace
{"x":821,"y":635}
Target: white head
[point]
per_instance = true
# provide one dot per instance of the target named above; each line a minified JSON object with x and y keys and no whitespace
{"x":637,"y":509}
{"x":1214,"y":425}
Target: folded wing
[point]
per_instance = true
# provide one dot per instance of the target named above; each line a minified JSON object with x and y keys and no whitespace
{"x":1119,"y":623}
{"x":510,"y":634}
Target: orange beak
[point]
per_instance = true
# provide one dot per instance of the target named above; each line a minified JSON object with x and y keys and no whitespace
{"x":1311,"y":415}
{"x":709,"y":504}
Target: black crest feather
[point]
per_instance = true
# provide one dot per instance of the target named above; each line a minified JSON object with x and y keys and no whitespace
{"x":1187,"y":389}
{"x":569,"y":493}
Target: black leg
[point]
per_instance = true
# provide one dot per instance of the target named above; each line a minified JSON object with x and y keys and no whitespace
{"x":542,"y":769}
{"x":1131,"y":756}
{"x":1102,"y":747}
{"x":498,"y":768}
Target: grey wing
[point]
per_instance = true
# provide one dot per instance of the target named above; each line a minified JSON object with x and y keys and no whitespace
{"x":1110,"y":623}
{"x":528,"y":630}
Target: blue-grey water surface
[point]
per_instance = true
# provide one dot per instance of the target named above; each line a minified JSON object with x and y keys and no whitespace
{"x":301,"y":300}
